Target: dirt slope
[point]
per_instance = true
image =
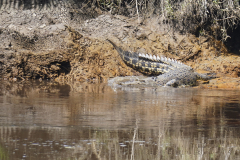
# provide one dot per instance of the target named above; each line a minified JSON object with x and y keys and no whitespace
{"x":38,"y":45}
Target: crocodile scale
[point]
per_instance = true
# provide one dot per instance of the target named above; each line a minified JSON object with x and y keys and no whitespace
{"x":168,"y":72}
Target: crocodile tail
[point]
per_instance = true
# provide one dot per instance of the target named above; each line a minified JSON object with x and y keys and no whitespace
{"x":120,"y":51}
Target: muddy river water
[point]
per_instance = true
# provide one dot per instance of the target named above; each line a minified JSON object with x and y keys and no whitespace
{"x":48,"y":121}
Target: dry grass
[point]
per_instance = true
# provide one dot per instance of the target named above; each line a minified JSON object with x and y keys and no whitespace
{"x":198,"y":16}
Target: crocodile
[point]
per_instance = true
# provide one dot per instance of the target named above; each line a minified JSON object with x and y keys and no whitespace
{"x":164,"y":71}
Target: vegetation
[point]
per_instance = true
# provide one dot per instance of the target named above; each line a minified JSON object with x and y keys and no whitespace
{"x":3,"y":153}
{"x":196,"y":16}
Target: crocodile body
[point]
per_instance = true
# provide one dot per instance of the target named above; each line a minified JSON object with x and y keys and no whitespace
{"x":167,"y":71}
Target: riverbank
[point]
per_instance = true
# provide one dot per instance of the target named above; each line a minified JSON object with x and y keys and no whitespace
{"x":53,"y":45}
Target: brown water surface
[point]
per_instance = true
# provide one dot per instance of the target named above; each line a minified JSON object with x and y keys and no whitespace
{"x":48,"y":121}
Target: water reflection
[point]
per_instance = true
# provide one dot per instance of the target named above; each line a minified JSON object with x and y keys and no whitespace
{"x":47,"y":120}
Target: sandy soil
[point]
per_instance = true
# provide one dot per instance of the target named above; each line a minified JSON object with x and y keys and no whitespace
{"x":55,"y":45}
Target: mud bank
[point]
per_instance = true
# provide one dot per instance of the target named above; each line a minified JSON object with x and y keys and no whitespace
{"x":51,"y":45}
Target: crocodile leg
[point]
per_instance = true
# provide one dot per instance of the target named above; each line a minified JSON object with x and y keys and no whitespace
{"x":169,"y":72}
